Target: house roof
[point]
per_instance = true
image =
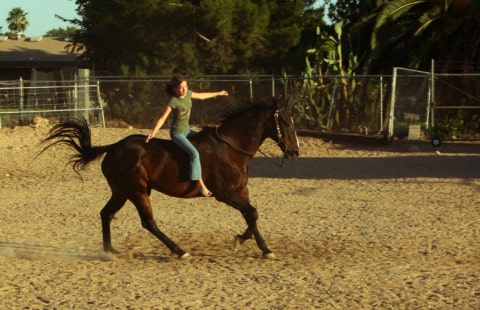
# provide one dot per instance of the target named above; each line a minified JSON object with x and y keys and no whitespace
{"x":38,"y":52}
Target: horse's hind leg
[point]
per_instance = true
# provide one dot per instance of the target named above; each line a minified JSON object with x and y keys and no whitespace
{"x":115,"y":203}
{"x":144,"y":208}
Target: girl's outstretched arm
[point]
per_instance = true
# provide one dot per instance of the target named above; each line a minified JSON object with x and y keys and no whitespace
{"x":207,"y":95}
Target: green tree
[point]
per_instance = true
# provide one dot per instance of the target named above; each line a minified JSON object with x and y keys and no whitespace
{"x":61,"y":32}
{"x":358,"y":19}
{"x":153,"y":37}
{"x":284,"y":33}
{"x":208,"y":36}
{"x":115,"y":34}
{"x":17,"y":21}
{"x":412,"y":32}
{"x":235,"y":34}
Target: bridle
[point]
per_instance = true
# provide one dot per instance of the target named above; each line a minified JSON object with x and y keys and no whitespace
{"x":277,"y":126}
{"x":248,"y":153}
{"x":280,"y":140}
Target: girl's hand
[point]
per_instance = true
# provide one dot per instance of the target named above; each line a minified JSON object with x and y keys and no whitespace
{"x":149,"y":137}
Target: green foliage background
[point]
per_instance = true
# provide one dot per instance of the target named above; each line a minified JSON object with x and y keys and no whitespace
{"x":283,"y":38}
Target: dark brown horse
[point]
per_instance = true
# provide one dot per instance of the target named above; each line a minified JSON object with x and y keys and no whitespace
{"x":133,"y":168}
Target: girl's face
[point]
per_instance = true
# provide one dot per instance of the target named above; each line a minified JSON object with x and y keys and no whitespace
{"x":181,"y":89}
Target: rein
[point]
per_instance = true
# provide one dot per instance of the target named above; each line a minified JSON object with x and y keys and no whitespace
{"x":280,"y":162}
{"x":237,"y":149}
{"x":233,"y":146}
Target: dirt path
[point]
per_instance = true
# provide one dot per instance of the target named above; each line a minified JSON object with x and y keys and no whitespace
{"x":353,"y":226}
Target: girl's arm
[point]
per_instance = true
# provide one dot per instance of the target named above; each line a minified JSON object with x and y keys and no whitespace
{"x":161,"y":120}
{"x":207,"y":95}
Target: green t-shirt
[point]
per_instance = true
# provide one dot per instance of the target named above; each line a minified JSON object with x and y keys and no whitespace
{"x":181,"y":108}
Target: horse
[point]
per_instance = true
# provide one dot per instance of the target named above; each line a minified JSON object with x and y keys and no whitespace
{"x":133,"y":168}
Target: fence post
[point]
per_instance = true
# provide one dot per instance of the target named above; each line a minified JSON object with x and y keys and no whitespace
{"x":273,"y":86}
{"x":332,"y":105}
{"x":251,"y":91}
{"x":21,"y":100}
{"x":75,"y":93}
{"x":391,"y":114}
{"x":381,"y":102}
{"x":102,"y":115}
{"x":84,"y":92}
{"x":431,"y":101}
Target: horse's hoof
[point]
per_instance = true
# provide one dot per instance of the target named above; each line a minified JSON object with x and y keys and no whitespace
{"x":186,"y":256}
{"x":237,"y":242}
{"x":269,"y":256}
{"x":111,"y":250}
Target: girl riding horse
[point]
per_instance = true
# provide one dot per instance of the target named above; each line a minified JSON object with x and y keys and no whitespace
{"x":180,"y":131}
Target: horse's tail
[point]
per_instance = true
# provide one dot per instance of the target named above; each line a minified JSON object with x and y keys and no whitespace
{"x":75,"y":134}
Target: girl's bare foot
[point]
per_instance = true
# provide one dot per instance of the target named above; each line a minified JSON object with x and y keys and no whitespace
{"x":203,"y":189}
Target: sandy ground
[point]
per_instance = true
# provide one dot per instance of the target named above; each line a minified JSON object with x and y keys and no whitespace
{"x":353,"y":226}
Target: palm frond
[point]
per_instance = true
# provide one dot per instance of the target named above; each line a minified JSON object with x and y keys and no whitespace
{"x":392,"y":11}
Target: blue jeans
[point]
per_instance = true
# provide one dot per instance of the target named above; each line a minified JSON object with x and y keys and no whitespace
{"x":180,"y":139}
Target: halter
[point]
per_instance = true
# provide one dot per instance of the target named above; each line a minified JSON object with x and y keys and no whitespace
{"x":277,"y":126}
{"x":280,"y":140}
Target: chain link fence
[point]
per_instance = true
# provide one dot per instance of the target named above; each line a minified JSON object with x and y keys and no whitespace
{"x":435,"y":106}
{"x":369,"y":106}
{"x":354,"y":104}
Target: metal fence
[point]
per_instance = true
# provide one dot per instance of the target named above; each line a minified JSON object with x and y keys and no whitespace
{"x":440,"y":106}
{"x":22,"y":102}
{"x":332,"y":103}
{"x":444,"y":105}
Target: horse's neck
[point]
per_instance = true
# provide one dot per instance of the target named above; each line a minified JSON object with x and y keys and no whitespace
{"x":247,"y":131}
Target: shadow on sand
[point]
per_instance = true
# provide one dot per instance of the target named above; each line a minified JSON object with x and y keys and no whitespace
{"x":364,"y":168}
{"x":31,"y":251}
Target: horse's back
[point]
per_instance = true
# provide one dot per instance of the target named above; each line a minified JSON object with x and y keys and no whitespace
{"x":133,"y":162}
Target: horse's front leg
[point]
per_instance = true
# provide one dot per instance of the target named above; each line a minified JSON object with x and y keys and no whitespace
{"x":250,"y":215}
{"x":240,"y":239}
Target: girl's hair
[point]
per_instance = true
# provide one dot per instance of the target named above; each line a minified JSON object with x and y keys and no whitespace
{"x":174,"y":82}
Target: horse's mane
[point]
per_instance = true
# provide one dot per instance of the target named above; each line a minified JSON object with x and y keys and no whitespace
{"x":237,"y":111}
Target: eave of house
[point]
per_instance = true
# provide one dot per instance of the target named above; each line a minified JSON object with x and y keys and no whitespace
{"x":42,"y":52}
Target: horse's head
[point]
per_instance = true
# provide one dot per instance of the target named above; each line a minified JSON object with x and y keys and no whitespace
{"x":286,"y":136}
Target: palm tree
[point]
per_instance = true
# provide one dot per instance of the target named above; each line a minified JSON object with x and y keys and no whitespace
{"x":17,"y":21}
{"x":452,"y":33}
{"x":412,"y":32}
